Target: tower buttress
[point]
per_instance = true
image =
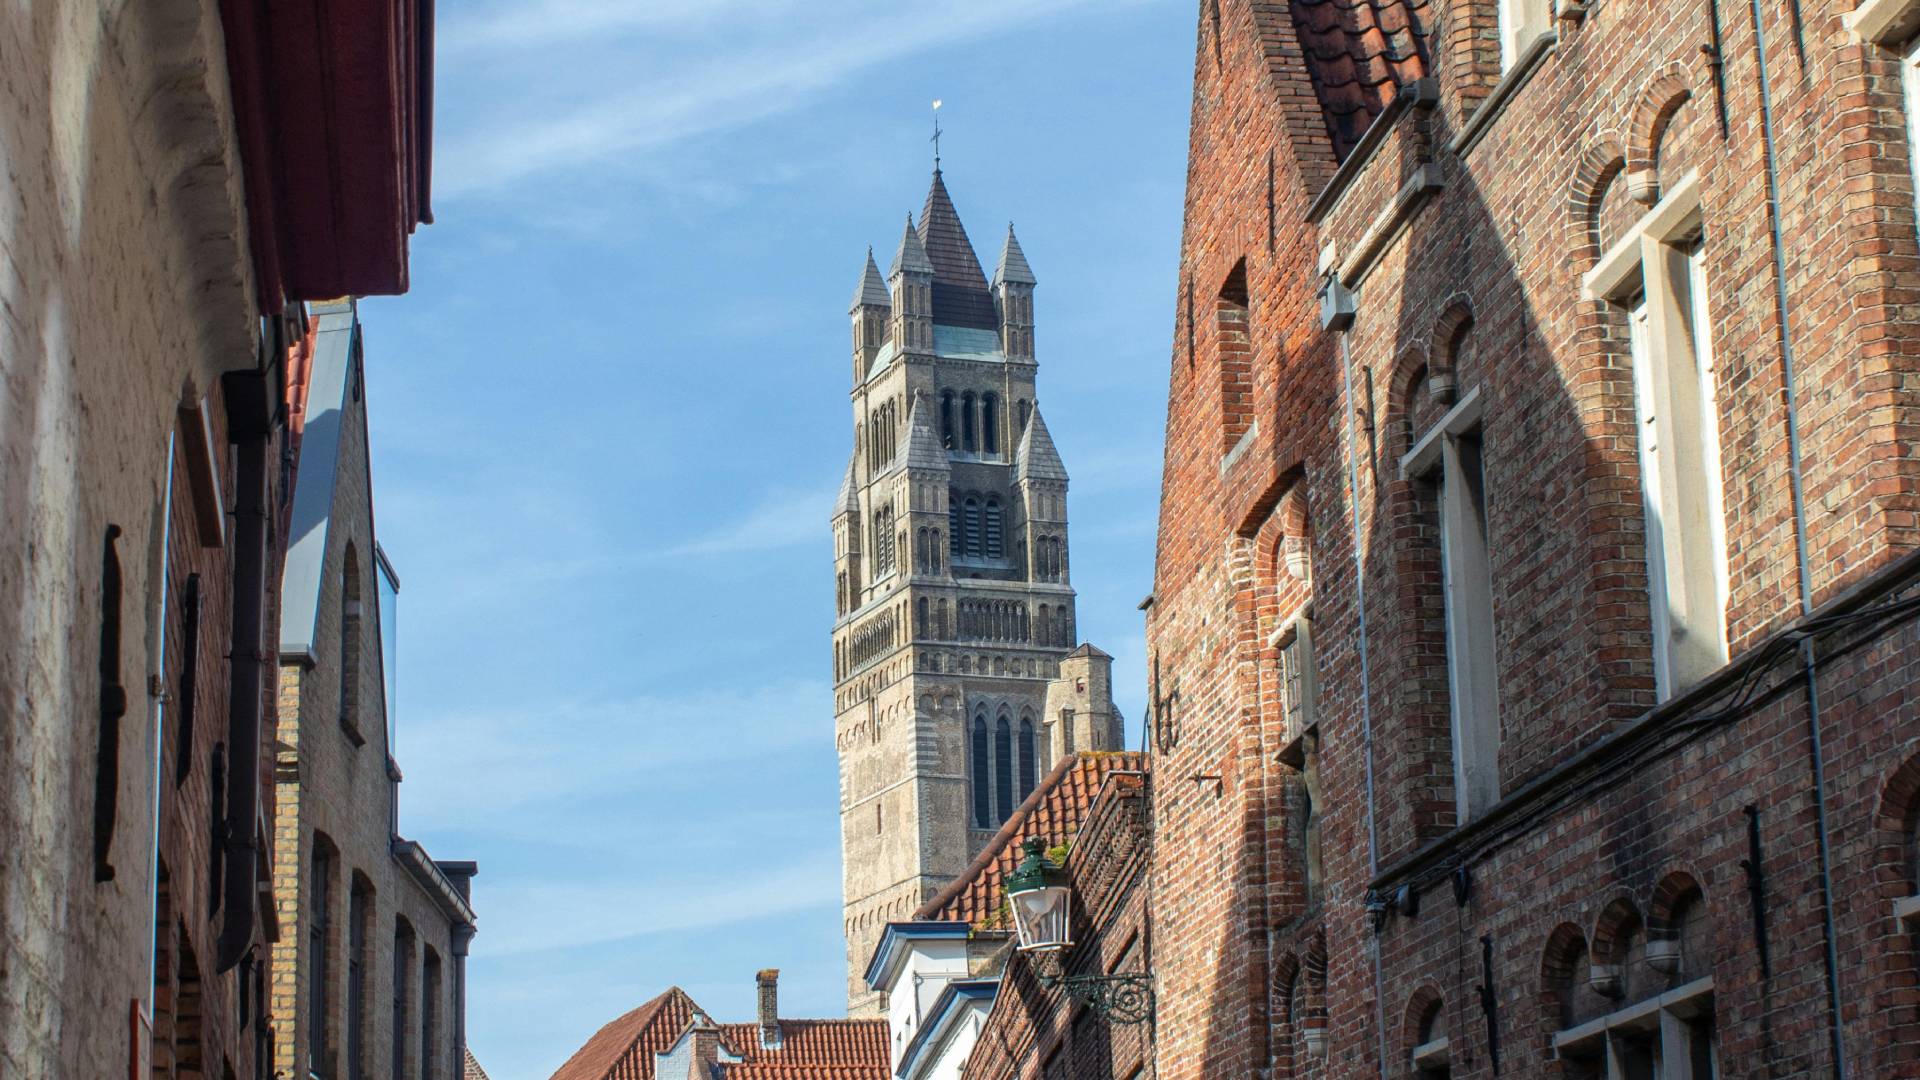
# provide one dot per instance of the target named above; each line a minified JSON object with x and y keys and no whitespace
{"x":846,"y":545}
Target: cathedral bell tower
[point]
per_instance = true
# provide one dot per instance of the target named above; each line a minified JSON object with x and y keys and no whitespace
{"x":954,"y":608}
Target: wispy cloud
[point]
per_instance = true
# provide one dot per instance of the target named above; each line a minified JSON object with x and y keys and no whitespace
{"x":520,"y":25}
{"x":783,"y":519}
{"x":683,"y":101}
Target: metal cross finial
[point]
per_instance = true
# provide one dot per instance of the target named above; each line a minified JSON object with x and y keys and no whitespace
{"x":936,"y":134}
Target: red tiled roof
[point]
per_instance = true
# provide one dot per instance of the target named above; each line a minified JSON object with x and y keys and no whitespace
{"x":473,"y":1069}
{"x":1053,"y":813}
{"x":631,"y":1040}
{"x":809,"y":1049}
{"x":1358,"y":54}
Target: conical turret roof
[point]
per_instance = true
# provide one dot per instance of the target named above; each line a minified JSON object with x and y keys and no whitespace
{"x":923,"y":445}
{"x":1013,"y":262}
{"x":1036,"y":459}
{"x":912,"y":254}
{"x":872,"y":290}
{"x":849,"y":501}
{"x":960,"y":296}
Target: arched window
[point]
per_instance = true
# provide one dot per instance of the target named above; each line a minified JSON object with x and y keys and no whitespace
{"x":1026,"y":410}
{"x":982,"y":809}
{"x":967,"y":440}
{"x":1003,"y":766}
{"x":954,"y":550}
{"x":989,"y":424}
{"x":920,"y":617}
{"x":994,"y":524}
{"x":1046,"y":625}
{"x":946,"y":419}
{"x":1029,"y":757}
{"x":973,"y":545}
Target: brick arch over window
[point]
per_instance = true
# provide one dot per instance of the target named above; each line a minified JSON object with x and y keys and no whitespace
{"x":1618,"y":947}
{"x":1286,"y":986}
{"x":1233,"y":348}
{"x":1679,"y":933}
{"x":1450,"y":350}
{"x":1602,"y":162}
{"x":1653,"y":111}
{"x":1424,"y":1021}
{"x":1567,"y":997}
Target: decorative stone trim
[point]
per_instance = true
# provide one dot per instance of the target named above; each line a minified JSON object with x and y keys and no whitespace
{"x":1494,"y":103}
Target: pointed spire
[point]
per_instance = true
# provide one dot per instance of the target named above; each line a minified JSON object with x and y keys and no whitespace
{"x":1013,"y":262}
{"x":923,"y":446}
{"x":1036,"y":459}
{"x":872,"y":290}
{"x":912,"y":255}
{"x":848,"y":502}
{"x":960,"y":296}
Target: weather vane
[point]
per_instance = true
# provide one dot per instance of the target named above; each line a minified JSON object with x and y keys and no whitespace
{"x":936,"y":134}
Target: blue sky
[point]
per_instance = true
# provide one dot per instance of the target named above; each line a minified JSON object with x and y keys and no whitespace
{"x":609,"y":420}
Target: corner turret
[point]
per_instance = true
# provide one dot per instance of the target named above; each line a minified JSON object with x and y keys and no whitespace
{"x":870,"y":311}
{"x":911,"y":281}
{"x":1013,"y":283}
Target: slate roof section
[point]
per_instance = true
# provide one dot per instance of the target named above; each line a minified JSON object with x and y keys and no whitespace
{"x":923,"y":446}
{"x":849,"y":501}
{"x":960,"y":296}
{"x":911,"y":255}
{"x":1036,"y":457}
{"x":1053,"y":813}
{"x":1013,"y":262}
{"x":628,"y":1047}
{"x":1358,"y":54}
{"x":872,"y":291}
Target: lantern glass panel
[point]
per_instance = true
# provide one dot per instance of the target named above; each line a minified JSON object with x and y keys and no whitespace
{"x":1040,"y":918}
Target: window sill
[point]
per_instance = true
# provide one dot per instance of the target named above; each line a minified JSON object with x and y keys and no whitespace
{"x":1693,"y":999}
{"x":1509,"y":85}
{"x":1432,"y":1055}
{"x":1906,"y":911}
{"x":1884,"y":22}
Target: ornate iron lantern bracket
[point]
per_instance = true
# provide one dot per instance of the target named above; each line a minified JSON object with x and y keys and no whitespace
{"x":1119,"y":999}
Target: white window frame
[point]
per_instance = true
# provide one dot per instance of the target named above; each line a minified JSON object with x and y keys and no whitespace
{"x":1910,"y":92}
{"x":1442,"y":456}
{"x":1522,"y":22}
{"x":1655,"y":273}
{"x":1664,"y":1020}
{"x":1293,"y":640}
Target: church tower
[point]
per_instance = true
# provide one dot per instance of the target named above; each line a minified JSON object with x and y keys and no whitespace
{"x":954,"y":608}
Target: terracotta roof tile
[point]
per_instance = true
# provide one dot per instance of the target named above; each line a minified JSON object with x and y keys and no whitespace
{"x":473,"y":1069}
{"x":809,"y":1049}
{"x":631,"y":1040}
{"x":1358,"y":54}
{"x":1053,"y":813}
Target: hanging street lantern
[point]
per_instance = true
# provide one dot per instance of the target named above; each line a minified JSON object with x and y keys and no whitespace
{"x":1037,"y":892}
{"x":1042,"y":904}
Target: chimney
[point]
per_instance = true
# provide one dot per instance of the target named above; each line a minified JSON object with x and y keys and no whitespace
{"x":705,"y":1056}
{"x":769,"y":980}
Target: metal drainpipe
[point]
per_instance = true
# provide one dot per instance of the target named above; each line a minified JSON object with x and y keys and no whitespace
{"x":1366,"y":707}
{"x":246,"y":688}
{"x":1795,"y":485}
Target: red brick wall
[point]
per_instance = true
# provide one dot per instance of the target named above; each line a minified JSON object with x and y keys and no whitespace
{"x":1484,"y":283}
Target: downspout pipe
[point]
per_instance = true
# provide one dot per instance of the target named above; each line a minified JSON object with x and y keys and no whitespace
{"x":246,"y":686}
{"x":1796,"y":486}
{"x":1338,"y":317}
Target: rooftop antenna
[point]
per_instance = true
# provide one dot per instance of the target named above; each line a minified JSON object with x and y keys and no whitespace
{"x":936,"y":134}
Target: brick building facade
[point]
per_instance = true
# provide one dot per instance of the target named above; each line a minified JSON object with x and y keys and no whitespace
{"x":163,"y":217}
{"x":1532,"y":632}
{"x":369,"y":971}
